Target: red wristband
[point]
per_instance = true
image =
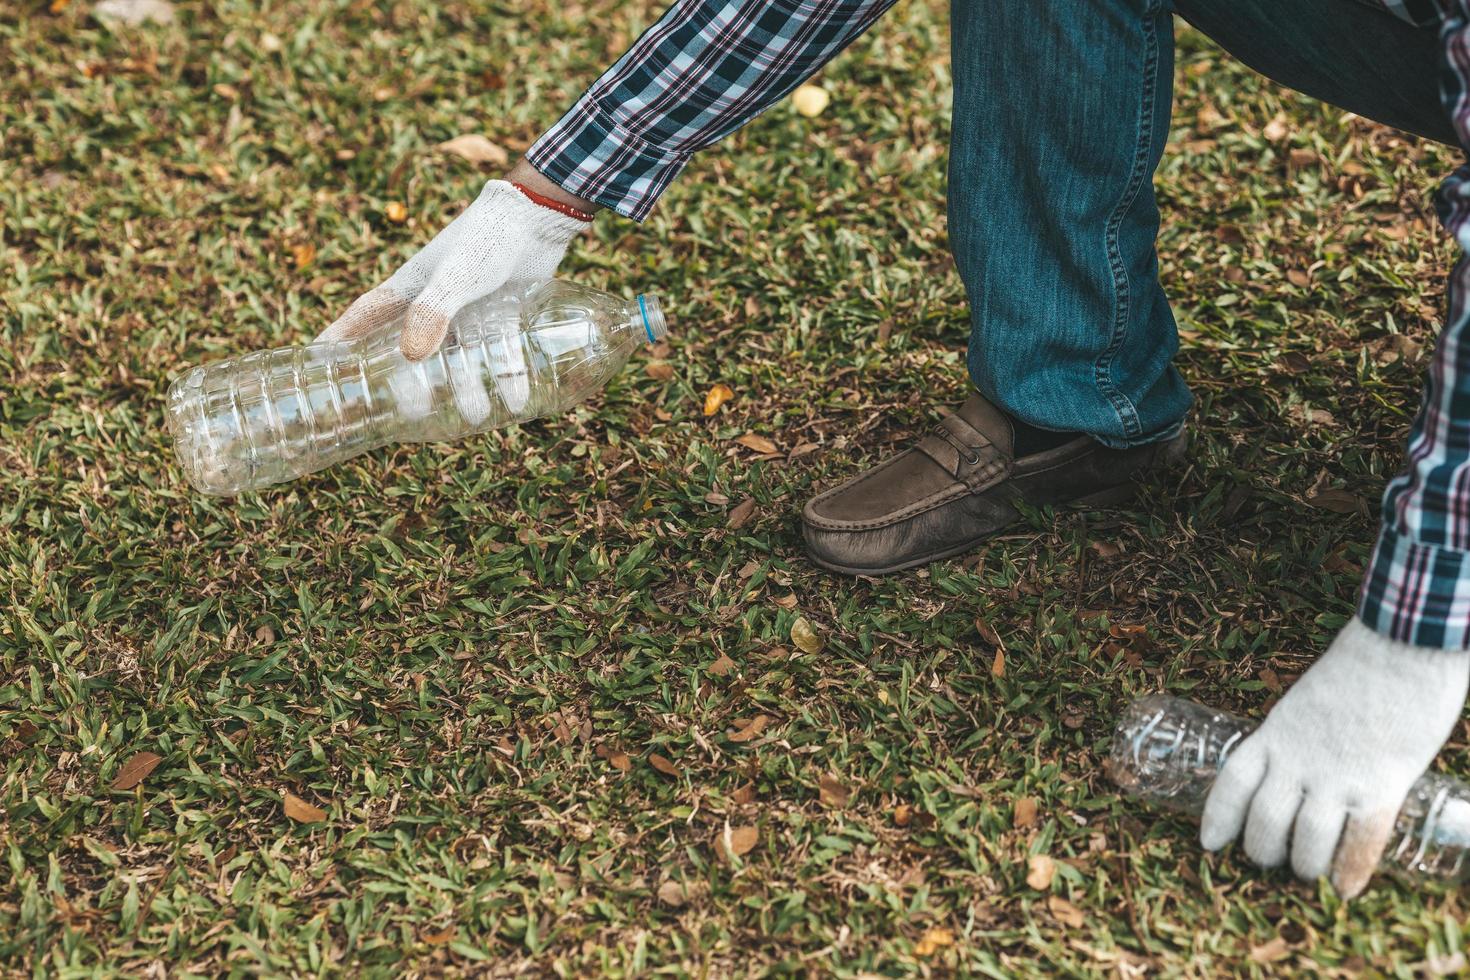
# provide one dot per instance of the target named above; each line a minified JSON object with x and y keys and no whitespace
{"x":557,"y":206}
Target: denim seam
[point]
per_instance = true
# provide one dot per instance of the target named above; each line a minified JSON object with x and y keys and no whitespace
{"x":1102,"y":368}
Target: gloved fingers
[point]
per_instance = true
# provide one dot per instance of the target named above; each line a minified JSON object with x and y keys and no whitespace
{"x":427,"y":321}
{"x":1363,"y":841}
{"x":1230,"y":797}
{"x":1273,"y":811}
{"x":1314,"y":839}
{"x":368,"y":312}
{"x":477,"y":267}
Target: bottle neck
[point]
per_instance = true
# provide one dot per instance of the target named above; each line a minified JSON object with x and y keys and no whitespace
{"x":646,"y":316}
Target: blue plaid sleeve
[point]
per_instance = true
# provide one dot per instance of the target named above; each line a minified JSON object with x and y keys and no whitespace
{"x":1416,"y":588}
{"x":704,"y":70}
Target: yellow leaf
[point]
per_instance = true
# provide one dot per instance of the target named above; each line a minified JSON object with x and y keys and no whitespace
{"x":476,"y":149}
{"x":301,"y":811}
{"x":716,"y":397}
{"x":933,"y":941}
{"x":810,"y":100}
{"x":396,"y":212}
{"x":1025,"y":813}
{"x":57,"y":6}
{"x":438,"y":938}
{"x":998,"y":665}
{"x":303,"y":254}
{"x":805,"y":638}
{"x":1040,"y":871}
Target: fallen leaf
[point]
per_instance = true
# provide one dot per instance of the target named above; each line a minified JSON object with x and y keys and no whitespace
{"x":672,"y":893}
{"x":740,"y":513}
{"x":722,"y":666}
{"x":1276,"y":130}
{"x":301,"y":811}
{"x":57,"y":6}
{"x":832,"y":793}
{"x":396,"y":212}
{"x":903,"y":815}
{"x":1270,"y":680}
{"x":620,"y":761}
{"x":1298,"y":277}
{"x":1024,"y":814}
{"x":25,"y":731}
{"x":751,"y":728}
{"x":659,"y":370}
{"x":1040,"y":871}
{"x":998,"y":665}
{"x":438,"y":938}
{"x":716,"y":498}
{"x":1337,"y":501}
{"x":304,"y":255}
{"x":134,"y":12}
{"x":744,"y":795}
{"x":1065,"y":912}
{"x":810,"y":100}
{"x":664,"y":765}
{"x":758,"y":443}
{"x":736,"y":841}
{"x":1105,"y":549}
{"x":1302,"y":157}
{"x":933,"y":941}
{"x":476,"y":149}
{"x":716,"y":397}
{"x":1271,"y":950}
{"x":1295,"y":362}
{"x":987,"y":632}
{"x":786,"y":601}
{"x":265,"y":635}
{"x":805,"y":638}
{"x":135,"y":770}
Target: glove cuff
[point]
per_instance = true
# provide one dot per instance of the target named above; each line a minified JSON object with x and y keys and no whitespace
{"x":555,"y":205}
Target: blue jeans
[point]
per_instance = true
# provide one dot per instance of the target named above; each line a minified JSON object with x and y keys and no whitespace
{"x":1061,"y":111}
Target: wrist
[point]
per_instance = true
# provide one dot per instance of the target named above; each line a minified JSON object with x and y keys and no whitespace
{"x":537,"y":186}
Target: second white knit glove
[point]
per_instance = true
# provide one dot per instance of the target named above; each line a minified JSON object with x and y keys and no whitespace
{"x":503,"y":236}
{"x":1324,"y":776}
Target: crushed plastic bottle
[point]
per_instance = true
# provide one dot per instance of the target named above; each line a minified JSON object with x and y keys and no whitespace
{"x":1167,"y":751}
{"x":527,"y":351}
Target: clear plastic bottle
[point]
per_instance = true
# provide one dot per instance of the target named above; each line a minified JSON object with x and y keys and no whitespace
{"x":1167,"y":751}
{"x":526,"y":351}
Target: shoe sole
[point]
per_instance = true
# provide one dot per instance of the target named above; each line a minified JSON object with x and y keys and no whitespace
{"x":1110,"y":497}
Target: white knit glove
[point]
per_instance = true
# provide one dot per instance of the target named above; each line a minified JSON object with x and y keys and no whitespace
{"x":1327,"y":771}
{"x":502,"y":236}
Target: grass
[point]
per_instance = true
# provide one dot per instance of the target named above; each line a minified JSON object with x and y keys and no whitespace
{"x":469,"y":655}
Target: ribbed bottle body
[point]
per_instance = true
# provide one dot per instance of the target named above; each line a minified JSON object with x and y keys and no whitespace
{"x":272,"y":416}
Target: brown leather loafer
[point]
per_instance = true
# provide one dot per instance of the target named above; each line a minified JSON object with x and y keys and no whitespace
{"x":956,"y":488}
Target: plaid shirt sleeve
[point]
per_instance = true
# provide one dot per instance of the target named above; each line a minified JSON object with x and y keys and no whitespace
{"x":1417,"y":586}
{"x":704,"y":70}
